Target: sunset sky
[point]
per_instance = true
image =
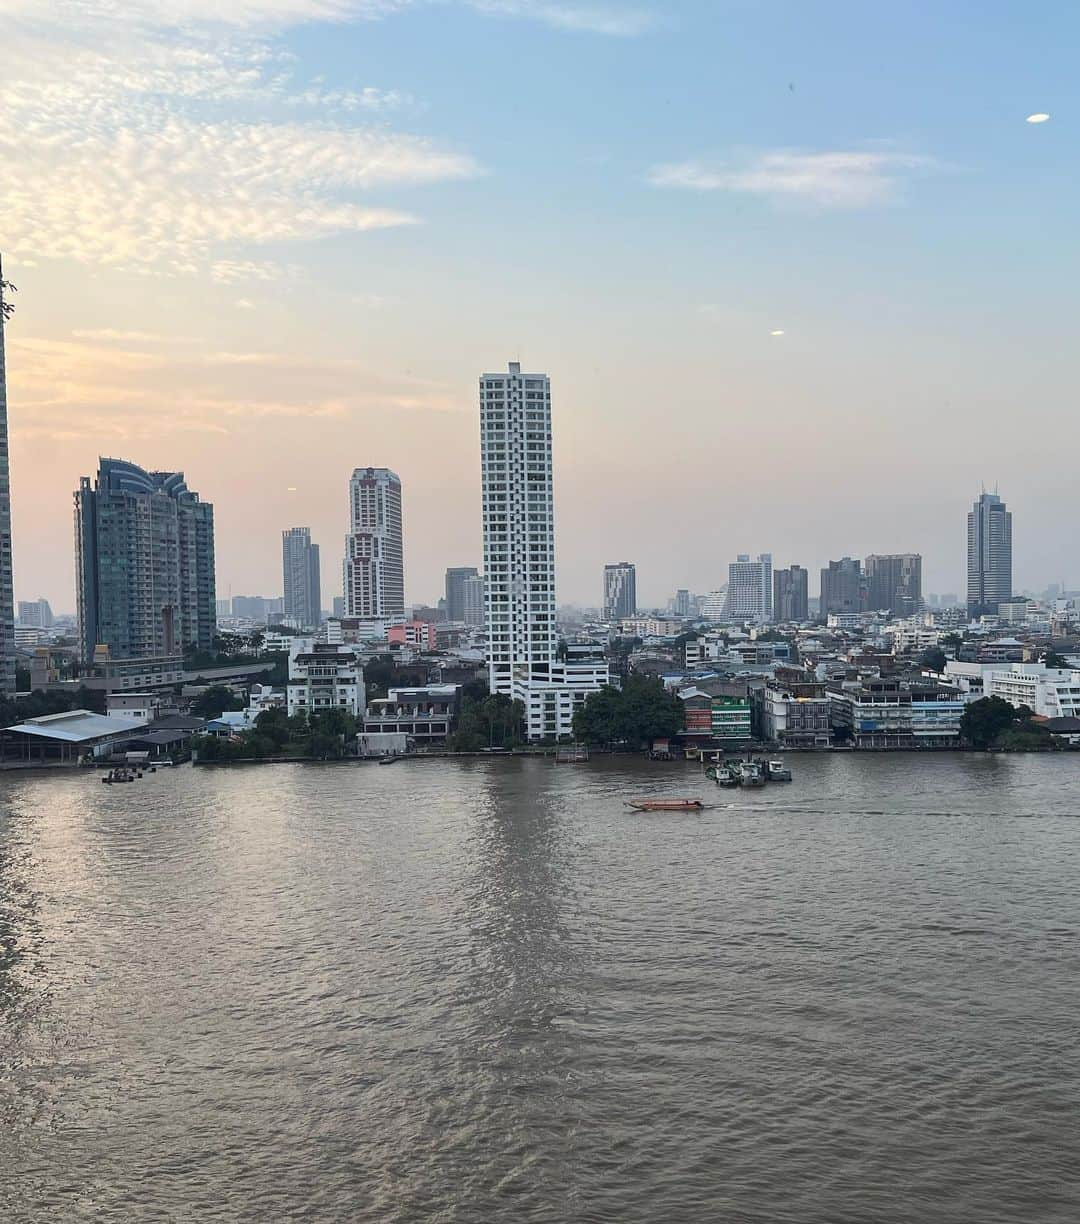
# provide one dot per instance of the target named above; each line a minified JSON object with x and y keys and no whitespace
{"x":268,"y":241}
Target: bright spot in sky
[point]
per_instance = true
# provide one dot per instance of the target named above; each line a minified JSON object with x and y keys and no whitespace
{"x":1039,"y":117}
{"x":291,"y":489}
{"x":779,"y":332}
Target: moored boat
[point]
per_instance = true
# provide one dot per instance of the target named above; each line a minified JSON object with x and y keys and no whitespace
{"x":777,"y":771}
{"x":750,"y":774}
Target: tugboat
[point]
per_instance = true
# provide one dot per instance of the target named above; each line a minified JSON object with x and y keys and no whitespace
{"x":722,"y":775}
{"x":665,"y":805}
{"x":777,"y":771}
{"x":750,"y":774}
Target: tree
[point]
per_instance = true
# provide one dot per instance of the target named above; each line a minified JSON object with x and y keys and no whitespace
{"x":273,"y":726}
{"x":638,"y":713}
{"x":215,"y":701}
{"x":495,"y":721}
{"x":1053,"y":659}
{"x":953,"y":640}
{"x":933,"y":659}
{"x":984,"y":722}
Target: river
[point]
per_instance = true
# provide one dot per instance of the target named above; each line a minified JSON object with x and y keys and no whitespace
{"x":481,"y":991}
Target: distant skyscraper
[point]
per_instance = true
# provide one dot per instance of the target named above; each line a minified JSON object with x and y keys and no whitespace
{"x":750,"y":589}
{"x":374,"y":563}
{"x":842,"y":587}
{"x":519,"y":556}
{"x":144,"y":563}
{"x":620,"y":591}
{"x":894,"y":582}
{"x":473,"y":593}
{"x":339,"y":606}
{"x":250,"y":607}
{"x":35,"y":614}
{"x":989,"y":555}
{"x":301,"y":579}
{"x":7,"y":585}
{"x":455,"y":590}
{"x":682,"y":605}
{"x":791,"y":594}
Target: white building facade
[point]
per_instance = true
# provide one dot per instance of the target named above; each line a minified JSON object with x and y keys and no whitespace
{"x":323,"y":677}
{"x":1047,"y":691}
{"x":519,"y":556}
{"x":374,"y":572}
{"x":750,"y":589}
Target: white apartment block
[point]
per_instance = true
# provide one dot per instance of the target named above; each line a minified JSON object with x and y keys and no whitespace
{"x":1047,"y":691}
{"x":750,"y":589}
{"x":323,"y":676}
{"x":374,"y":573}
{"x":519,"y":555}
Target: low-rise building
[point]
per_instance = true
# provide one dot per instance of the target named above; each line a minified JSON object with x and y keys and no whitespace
{"x":425,"y":715}
{"x":795,"y":712}
{"x":649,"y":626}
{"x":64,"y":739}
{"x":887,"y":712}
{"x":551,"y":701}
{"x":145,"y":707}
{"x":325,"y":677}
{"x":718,"y":712}
{"x":1046,"y":691}
{"x":417,"y":633}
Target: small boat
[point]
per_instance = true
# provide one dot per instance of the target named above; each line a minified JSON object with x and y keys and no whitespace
{"x":389,"y":760}
{"x":777,"y":771}
{"x":750,"y":774}
{"x":722,"y":775}
{"x":665,"y":805}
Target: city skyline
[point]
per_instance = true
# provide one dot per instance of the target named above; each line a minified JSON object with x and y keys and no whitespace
{"x":341,"y":232}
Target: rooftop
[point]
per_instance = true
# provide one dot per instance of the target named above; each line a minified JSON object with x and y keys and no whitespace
{"x":77,"y":726}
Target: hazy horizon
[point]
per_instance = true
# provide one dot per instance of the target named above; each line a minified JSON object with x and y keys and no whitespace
{"x":266,"y":242}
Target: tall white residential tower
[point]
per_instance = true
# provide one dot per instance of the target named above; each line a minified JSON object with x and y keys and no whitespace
{"x":519,"y":556}
{"x":750,"y":589}
{"x":374,"y":566}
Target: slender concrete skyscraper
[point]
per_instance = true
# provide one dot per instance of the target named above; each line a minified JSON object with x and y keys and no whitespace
{"x":519,"y":525}
{"x":374,"y":563}
{"x":301,"y":581}
{"x":519,"y":557}
{"x":7,"y":586}
{"x":989,"y":549}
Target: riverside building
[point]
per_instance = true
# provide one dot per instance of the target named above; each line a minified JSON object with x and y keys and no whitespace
{"x":374,"y":571}
{"x":144,"y":564}
{"x":519,"y":556}
{"x":324,"y":676}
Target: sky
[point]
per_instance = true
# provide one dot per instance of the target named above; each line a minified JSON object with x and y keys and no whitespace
{"x":268,"y":241}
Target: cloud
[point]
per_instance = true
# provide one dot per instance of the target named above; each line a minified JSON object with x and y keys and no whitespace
{"x":857,"y":179}
{"x":115,"y":335}
{"x":178,"y":151}
{"x":619,"y":21}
